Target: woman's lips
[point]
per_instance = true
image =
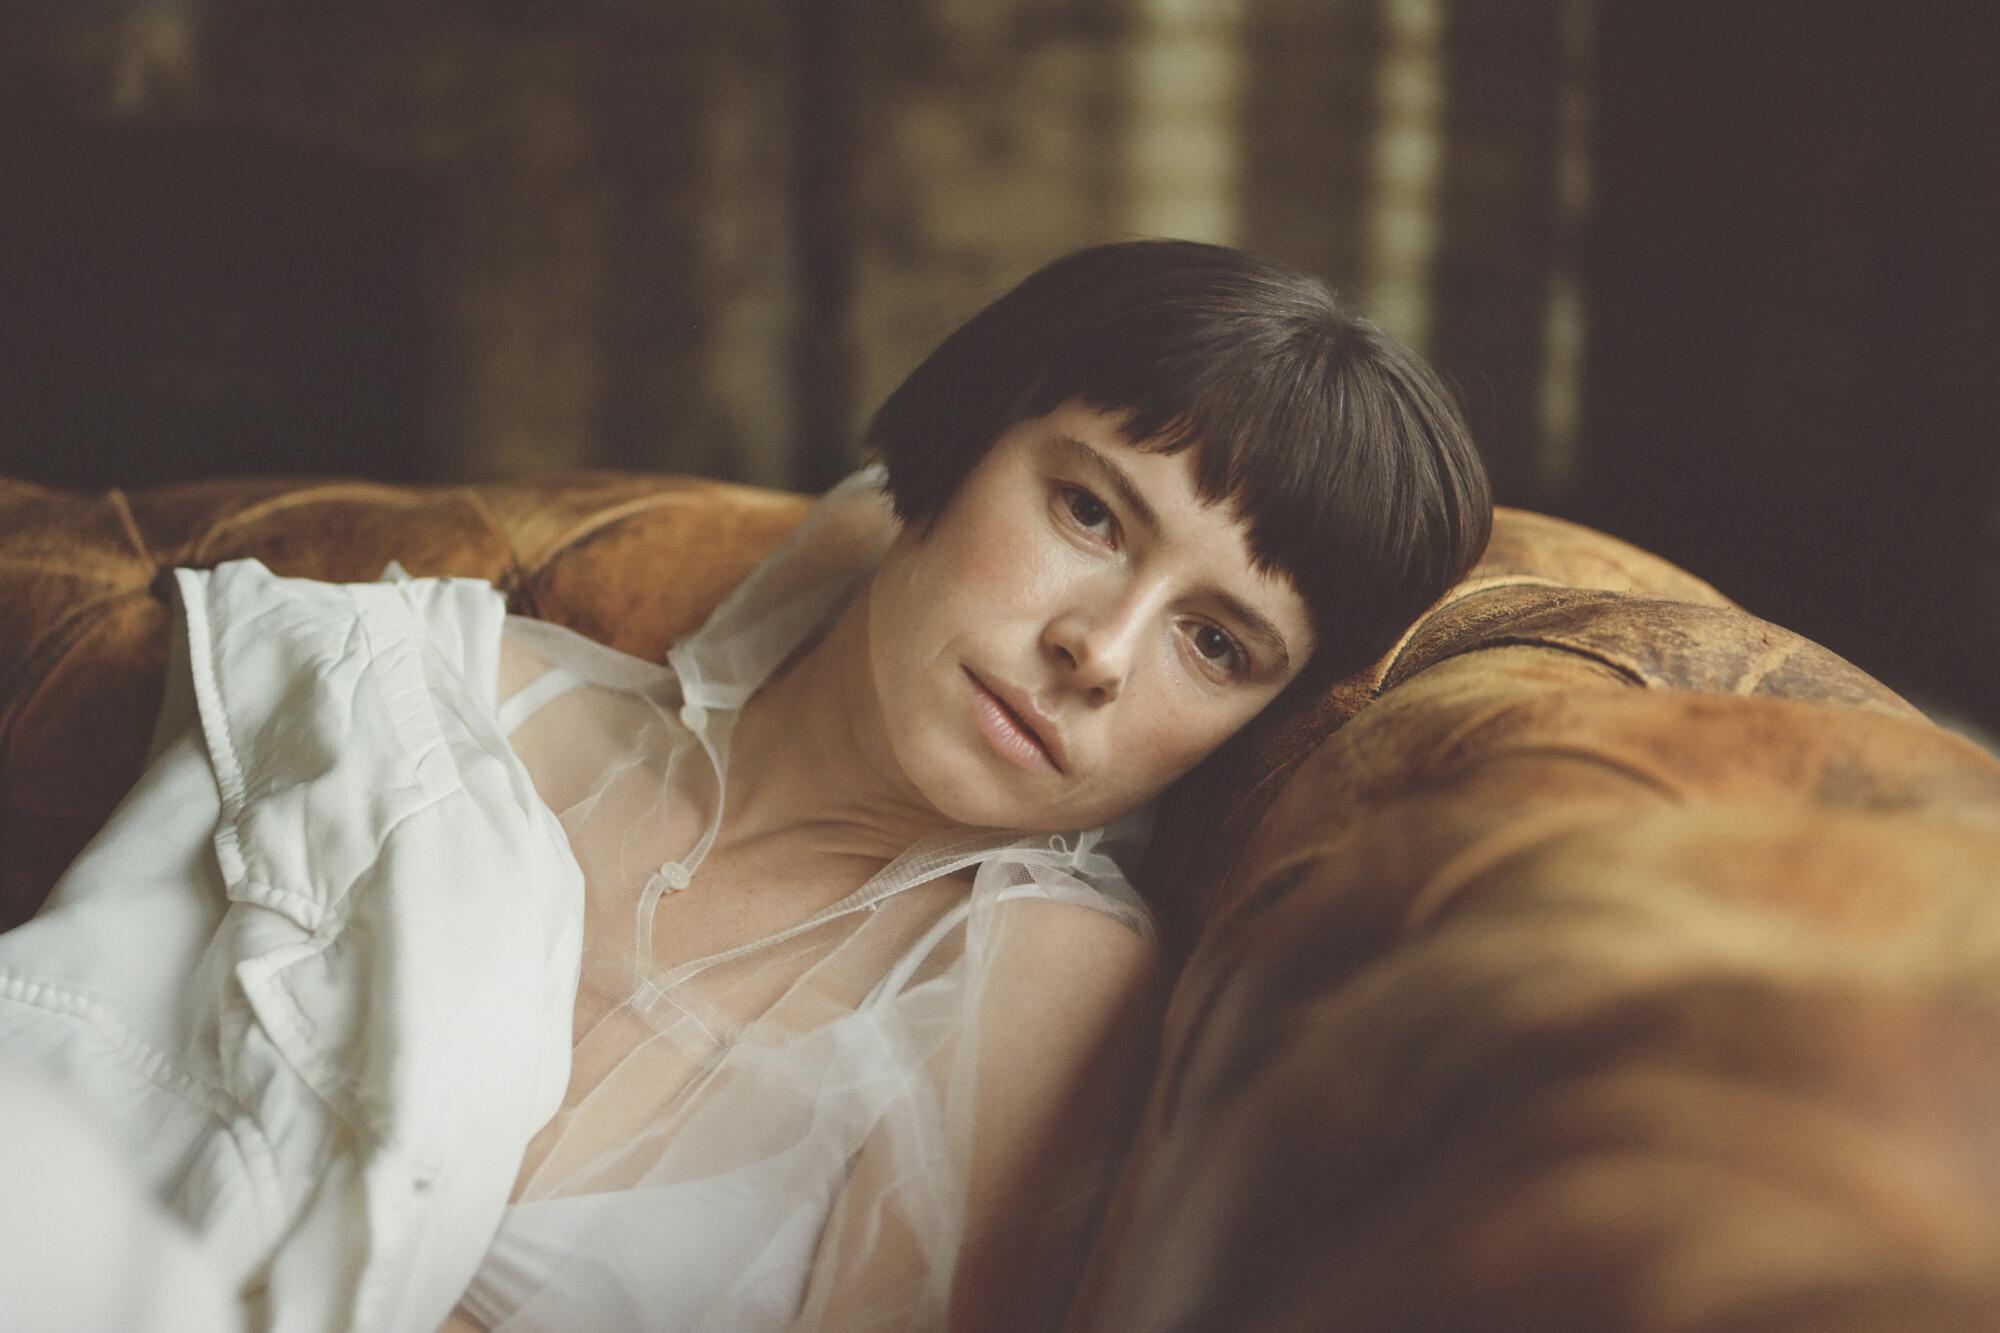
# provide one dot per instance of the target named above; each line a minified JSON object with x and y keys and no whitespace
{"x":1006,"y":731}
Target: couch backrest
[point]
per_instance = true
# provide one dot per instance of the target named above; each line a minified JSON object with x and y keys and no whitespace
{"x":634,"y":561}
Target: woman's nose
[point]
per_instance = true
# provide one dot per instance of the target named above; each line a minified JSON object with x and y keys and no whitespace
{"x":1095,"y":649}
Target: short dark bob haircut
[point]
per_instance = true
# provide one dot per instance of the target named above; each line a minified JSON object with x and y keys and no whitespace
{"x":1341,"y":449}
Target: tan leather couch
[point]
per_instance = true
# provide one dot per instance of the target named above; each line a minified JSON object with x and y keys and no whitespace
{"x":1605,"y":958}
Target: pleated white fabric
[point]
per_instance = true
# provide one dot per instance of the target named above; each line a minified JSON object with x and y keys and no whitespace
{"x":313,"y":981}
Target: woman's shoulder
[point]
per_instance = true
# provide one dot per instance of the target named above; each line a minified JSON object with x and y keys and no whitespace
{"x":1078,"y":943}
{"x":1053,"y":931}
{"x":1068,"y":900}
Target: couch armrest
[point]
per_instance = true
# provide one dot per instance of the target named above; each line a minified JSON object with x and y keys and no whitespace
{"x":1625,"y":963}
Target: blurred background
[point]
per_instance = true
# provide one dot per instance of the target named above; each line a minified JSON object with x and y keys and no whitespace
{"x":1718,"y":277}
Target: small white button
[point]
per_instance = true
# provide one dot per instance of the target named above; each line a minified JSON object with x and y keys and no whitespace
{"x":675,"y":874}
{"x":692,"y":716}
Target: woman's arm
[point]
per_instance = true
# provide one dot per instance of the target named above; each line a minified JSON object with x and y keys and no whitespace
{"x":1065,"y":1057}
{"x":1064,"y":1032}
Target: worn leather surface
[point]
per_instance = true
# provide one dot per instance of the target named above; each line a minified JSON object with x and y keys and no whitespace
{"x":1626,"y":964}
{"x":1602,"y":958}
{"x":1628,"y":616}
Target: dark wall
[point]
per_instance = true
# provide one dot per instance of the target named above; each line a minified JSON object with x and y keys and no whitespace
{"x":1793,"y":387}
{"x":180,"y":296}
{"x":439,"y":240}
{"x":433,"y":239}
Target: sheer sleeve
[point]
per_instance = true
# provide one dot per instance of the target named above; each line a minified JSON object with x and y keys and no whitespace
{"x":983,"y":1220}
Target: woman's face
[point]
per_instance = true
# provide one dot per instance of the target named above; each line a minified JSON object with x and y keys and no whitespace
{"x":1077,"y":630}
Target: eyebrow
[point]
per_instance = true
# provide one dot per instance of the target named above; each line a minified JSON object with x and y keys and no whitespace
{"x":1255,"y":624}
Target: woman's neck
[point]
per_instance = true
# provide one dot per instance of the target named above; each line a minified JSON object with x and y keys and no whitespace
{"x":810,"y":755}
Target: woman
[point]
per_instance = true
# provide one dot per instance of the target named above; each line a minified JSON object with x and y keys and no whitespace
{"x":1076,"y":607}
{"x":865,"y":998}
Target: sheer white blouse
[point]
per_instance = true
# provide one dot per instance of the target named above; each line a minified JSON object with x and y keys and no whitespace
{"x":785,"y":1133}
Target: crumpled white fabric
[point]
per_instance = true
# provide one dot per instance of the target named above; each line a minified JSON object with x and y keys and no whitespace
{"x":82,"y":1245}
{"x":314,"y":978}
{"x":778,"y":1135}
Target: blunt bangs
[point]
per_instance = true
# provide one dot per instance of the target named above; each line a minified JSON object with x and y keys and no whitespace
{"x":1341,"y":451}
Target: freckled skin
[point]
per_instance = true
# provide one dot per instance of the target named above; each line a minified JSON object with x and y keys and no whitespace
{"x":1110,"y":629}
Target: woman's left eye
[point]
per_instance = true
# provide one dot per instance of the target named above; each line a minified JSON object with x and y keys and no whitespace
{"x":1086,"y":510}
